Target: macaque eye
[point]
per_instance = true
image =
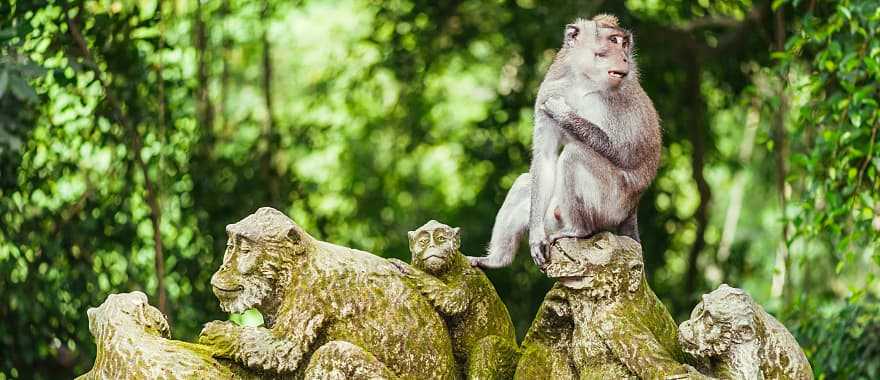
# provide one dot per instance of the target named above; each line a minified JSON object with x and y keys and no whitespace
{"x":616,"y":39}
{"x":601,"y":54}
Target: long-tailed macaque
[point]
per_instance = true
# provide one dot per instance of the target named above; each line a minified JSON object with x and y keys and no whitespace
{"x":596,"y":147}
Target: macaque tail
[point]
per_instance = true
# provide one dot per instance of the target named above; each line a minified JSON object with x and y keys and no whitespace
{"x":510,"y":224}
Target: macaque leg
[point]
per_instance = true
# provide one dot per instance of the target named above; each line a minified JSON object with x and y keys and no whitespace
{"x":340,"y":360}
{"x":510,"y":225}
{"x":572,"y":183}
{"x":630,"y":227}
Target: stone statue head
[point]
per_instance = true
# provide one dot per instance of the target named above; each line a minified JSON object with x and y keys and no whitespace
{"x":258,"y":250}
{"x":724,"y":318}
{"x":434,"y":246}
{"x":604,"y":266}
{"x":127,"y":312}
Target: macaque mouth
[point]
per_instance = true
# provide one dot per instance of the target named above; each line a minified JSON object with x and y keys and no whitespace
{"x":617,"y":74}
{"x":233,"y":290}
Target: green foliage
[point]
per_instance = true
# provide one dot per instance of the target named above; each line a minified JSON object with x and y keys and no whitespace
{"x":250,"y":317}
{"x":128,"y":124}
{"x":841,"y":342}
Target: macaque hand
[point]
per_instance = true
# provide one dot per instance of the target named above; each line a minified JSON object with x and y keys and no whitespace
{"x":557,"y":108}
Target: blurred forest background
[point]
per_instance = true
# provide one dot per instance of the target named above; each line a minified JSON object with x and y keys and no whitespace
{"x":133,"y":131}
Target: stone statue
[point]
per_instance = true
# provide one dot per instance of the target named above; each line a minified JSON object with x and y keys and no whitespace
{"x":740,"y":340}
{"x":483,"y":336}
{"x":619,"y":328}
{"x":546,"y":349}
{"x":132,"y":339}
{"x":330,"y":311}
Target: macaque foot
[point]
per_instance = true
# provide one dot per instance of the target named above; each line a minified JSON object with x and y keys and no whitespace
{"x":540,"y":252}
{"x":341,"y":360}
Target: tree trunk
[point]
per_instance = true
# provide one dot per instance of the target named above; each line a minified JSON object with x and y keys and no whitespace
{"x":697,"y":136}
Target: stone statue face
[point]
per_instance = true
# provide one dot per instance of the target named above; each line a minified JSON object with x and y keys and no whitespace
{"x":129,"y":311}
{"x":602,"y":267}
{"x":255,"y":249}
{"x":434,"y":246}
{"x":724,"y":318}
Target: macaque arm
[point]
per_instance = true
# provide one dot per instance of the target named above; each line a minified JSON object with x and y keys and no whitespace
{"x":262,"y":348}
{"x":448,"y":300}
{"x":637,"y":168}
{"x":635,"y":346}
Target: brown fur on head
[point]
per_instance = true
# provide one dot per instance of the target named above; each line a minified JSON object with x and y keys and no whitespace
{"x":724,"y":318}
{"x":434,"y":247}
{"x":598,"y":52}
{"x":127,"y":312}
{"x":261,"y":252}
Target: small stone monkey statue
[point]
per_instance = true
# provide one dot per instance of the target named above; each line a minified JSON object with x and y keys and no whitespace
{"x":483,"y":337}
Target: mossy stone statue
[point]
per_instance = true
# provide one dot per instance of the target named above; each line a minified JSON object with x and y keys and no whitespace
{"x":619,"y":328}
{"x":739,"y":340}
{"x":483,"y":336}
{"x":330,"y":311}
{"x":132,"y":339}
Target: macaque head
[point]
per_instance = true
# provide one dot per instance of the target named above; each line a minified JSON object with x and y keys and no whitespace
{"x":724,"y":318}
{"x":603,"y":268}
{"x":599,"y":52}
{"x":434,"y":247}
{"x":260,"y":252}
{"x":127,"y":311}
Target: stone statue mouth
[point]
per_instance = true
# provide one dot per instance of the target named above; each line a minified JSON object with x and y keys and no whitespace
{"x":226,"y":290}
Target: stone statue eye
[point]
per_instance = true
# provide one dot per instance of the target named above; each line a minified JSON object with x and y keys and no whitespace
{"x":440,"y":239}
{"x":423,"y":241}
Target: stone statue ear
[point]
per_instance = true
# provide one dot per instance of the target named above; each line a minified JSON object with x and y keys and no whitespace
{"x":294,"y":235}
{"x":635,"y":276}
{"x":456,"y":232}
{"x":411,"y":235}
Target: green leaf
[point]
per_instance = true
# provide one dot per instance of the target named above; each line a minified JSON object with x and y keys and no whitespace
{"x":250,"y":317}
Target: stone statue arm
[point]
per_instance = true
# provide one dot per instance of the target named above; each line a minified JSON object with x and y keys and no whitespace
{"x":261,"y":348}
{"x":449,"y":300}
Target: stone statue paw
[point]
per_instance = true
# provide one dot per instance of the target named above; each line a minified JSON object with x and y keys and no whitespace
{"x":401,"y":266}
{"x":218,"y":335}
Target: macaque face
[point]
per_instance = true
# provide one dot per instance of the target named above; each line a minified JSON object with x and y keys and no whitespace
{"x":599,"y":54}
{"x":245,"y":279}
{"x":433,"y":246}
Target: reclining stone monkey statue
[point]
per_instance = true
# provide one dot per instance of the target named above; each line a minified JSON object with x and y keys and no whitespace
{"x":133,"y":343}
{"x":483,"y":336}
{"x":330,"y":311}
{"x":618,"y":327}
{"x":740,"y":340}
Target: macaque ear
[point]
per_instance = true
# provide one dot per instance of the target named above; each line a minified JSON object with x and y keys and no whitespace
{"x":571,"y":33}
{"x":635,"y":276}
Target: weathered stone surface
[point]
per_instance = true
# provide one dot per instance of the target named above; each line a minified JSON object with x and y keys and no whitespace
{"x":132,"y":340}
{"x":618,"y":328}
{"x":483,"y":336}
{"x":314,"y":294}
{"x":739,"y":340}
